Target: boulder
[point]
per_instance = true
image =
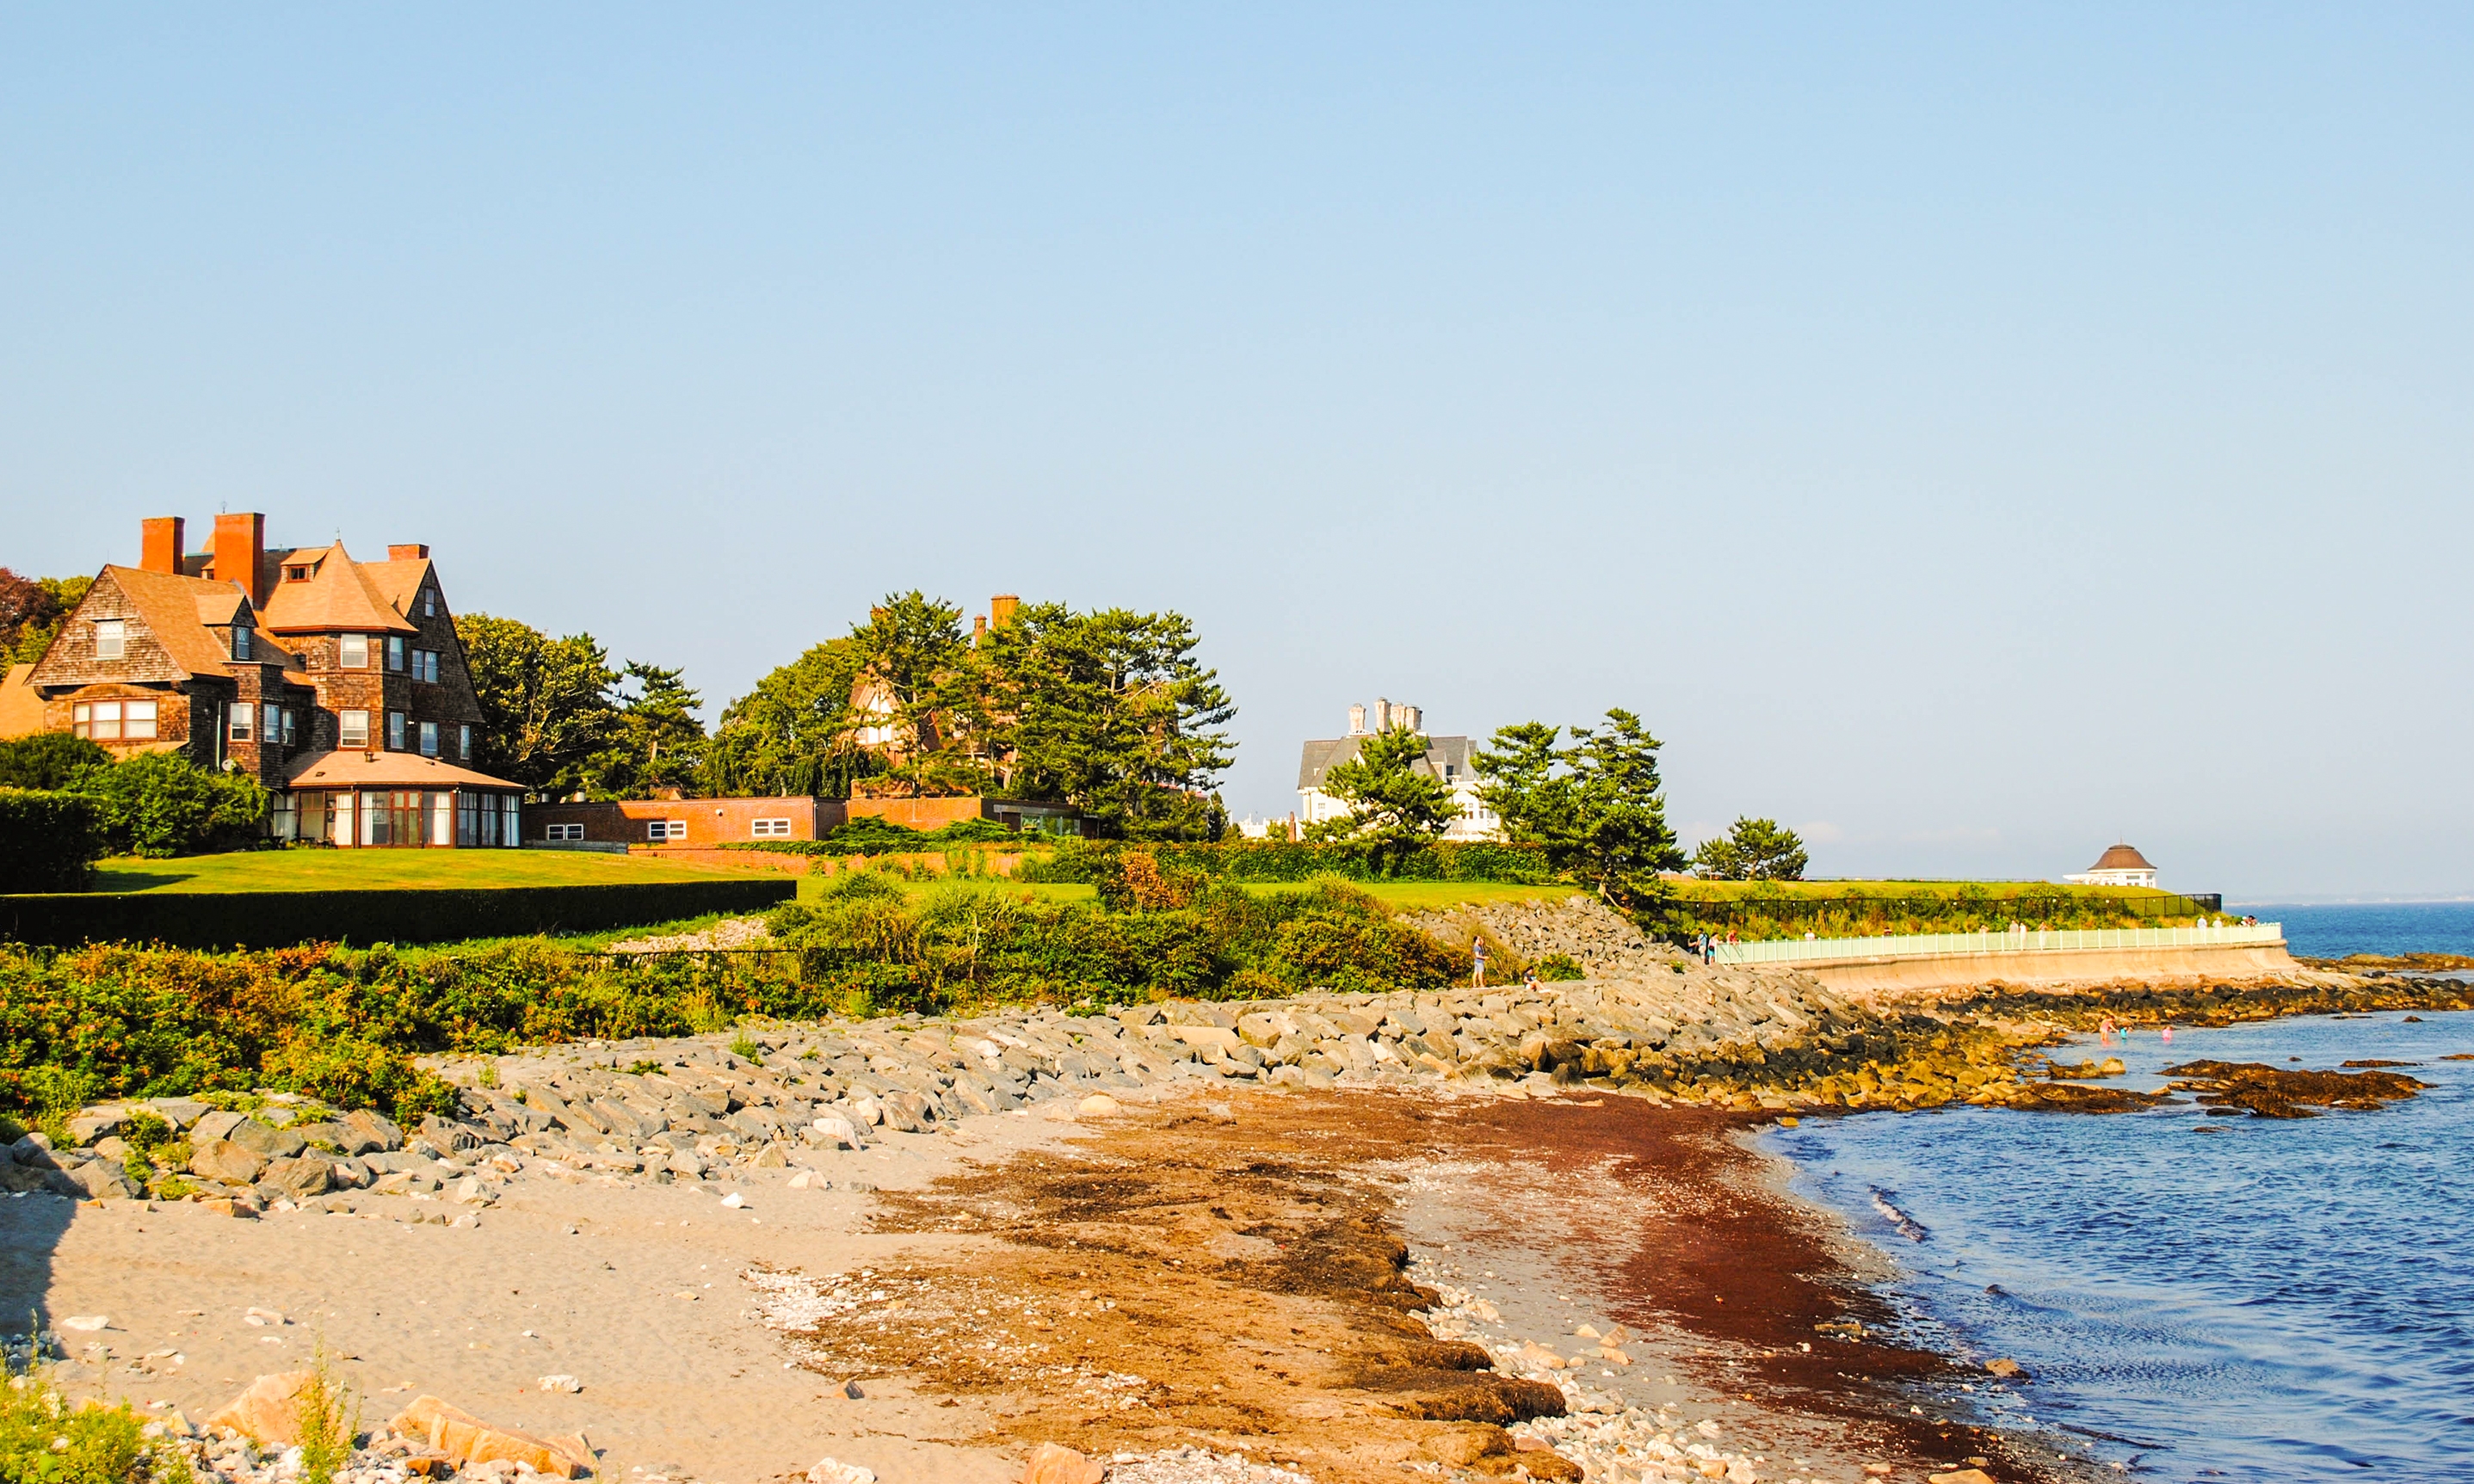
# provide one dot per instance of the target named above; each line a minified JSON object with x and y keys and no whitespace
{"x":371,"y":1133}
{"x":270,"y":1410}
{"x":211,"y":1126}
{"x":181,"y":1112}
{"x":104,"y":1179}
{"x":95,"y":1123}
{"x":265,"y":1142}
{"x":227,"y":1162}
{"x":833,"y":1471}
{"x":465,"y":1439}
{"x":444,"y":1136}
{"x":909,"y":1113}
{"x":1051,"y":1464}
{"x":839,"y":1130}
{"x":299,"y":1178}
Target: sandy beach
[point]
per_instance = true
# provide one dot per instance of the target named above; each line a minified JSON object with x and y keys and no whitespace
{"x":1263,"y":1272}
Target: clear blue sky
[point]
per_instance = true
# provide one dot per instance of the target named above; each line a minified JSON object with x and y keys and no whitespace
{"x":1968,"y":433}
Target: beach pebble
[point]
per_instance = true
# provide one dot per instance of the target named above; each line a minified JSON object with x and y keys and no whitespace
{"x":1098,"y":1103}
{"x":85,"y":1324}
{"x":733,"y":1199}
{"x":832,"y":1470}
{"x":566,"y":1384}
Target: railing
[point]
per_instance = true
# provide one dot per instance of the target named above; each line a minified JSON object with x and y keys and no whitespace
{"x":1808,"y":950}
{"x":1785,"y":907}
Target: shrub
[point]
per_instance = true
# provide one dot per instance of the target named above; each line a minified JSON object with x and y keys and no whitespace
{"x":47,"y":759}
{"x":204,"y":919}
{"x":161,"y":804}
{"x":48,"y":841}
{"x":44,"y":1437}
{"x":1557,"y":967}
{"x":1266,"y":861}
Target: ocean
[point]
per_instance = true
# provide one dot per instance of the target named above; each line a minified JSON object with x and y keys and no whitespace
{"x":2272,"y":1300}
{"x":2334,"y":931}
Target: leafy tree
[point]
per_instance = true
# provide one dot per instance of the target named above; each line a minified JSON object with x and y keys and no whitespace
{"x":1594,"y":807}
{"x":31,"y":611}
{"x":1108,"y":712}
{"x":161,"y":804}
{"x":546,"y":713}
{"x":1397,"y":803}
{"x":47,"y":759}
{"x":1751,"y":850}
{"x":791,"y":733}
{"x":913,"y":659}
{"x":658,"y":741}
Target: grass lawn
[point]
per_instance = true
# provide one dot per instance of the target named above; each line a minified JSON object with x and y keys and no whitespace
{"x":328,"y":870}
{"x":1408,"y":895}
{"x":1721,"y":891}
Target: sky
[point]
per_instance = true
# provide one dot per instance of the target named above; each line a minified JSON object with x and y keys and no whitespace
{"x":1969,"y":435}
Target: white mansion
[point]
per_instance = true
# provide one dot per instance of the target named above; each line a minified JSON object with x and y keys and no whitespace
{"x":1446,"y":758}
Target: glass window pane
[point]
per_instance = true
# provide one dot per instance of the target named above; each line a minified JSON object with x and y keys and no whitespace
{"x":107,"y":719}
{"x":355,"y":727}
{"x":110,"y":639}
{"x":139,"y":719}
{"x":355,"y":652}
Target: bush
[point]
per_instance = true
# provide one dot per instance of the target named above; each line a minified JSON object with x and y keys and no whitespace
{"x":48,"y":840}
{"x":161,"y":804}
{"x":47,"y":759}
{"x":45,"y":1437}
{"x":1265,"y":861}
{"x":870,"y":835}
{"x":272,"y":920}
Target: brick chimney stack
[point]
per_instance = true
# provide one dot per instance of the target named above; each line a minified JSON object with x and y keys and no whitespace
{"x":1001,"y":609}
{"x":159,"y":546}
{"x":407,"y":554}
{"x":1357,"y":720}
{"x":239,"y":554}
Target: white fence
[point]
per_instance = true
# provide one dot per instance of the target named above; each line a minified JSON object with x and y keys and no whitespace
{"x":1816,"y":950}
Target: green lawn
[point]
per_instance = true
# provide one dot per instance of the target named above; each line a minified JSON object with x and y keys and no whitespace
{"x":1410,"y":896}
{"x":1721,"y":891}
{"x":330,"y":871}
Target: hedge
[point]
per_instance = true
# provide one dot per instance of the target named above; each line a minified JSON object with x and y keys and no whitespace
{"x":47,"y":840}
{"x":274,"y":919}
{"x":1294,"y":861}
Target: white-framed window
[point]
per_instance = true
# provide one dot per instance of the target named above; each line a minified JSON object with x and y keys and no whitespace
{"x":395,"y":652}
{"x":464,"y":743}
{"x":139,"y":719}
{"x":770,"y":829}
{"x":290,"y":718}
{"x":352,"y":729}
{"x":243,"y":716}
{"x":99,"y":720}
{"x":565,"y":831}
{"x":658,"y":830}
{"x":110,"y":639}
{"x":240,"y":641}
{"x":428,"y":739}
{"x":396,"y":722}
{"x":353,"y":652}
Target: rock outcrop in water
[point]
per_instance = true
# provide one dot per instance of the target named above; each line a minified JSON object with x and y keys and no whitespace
{"x":2267,"y":1091}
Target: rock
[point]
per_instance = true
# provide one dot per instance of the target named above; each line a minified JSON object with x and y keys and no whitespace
{"x":1098,"y":1103}
{"x":242,"y":1206}
{"x":1960,"y":1476}
{"x":371,"y":1133}
{"x":907,"y":1113}
{"x":471,"y":1191}
{"x":1461,"y":1445}
{"x":1050,"y":1464}
{"x":733,"y":1201}
{"x":211,"y":1126}
{"x":810,"y":1179}
{"x":86,"y":1324}
{"x":299,"y":1178}
{"x":772,"y":1159}
{"x":867,"y":1112}
{"x":566,"y":1384}
{"x":839,"y":1129}
{"x":465,"y":1439}
{"x":181,"y":1112}
{"x":832,"y":1470}
{"x":227,"y":1162}
{"x":104,"y":1179}
{"x":267,"y":1143}
{"x":2006,"y":1367}
{"x":270,"y":1410}
{"x":96,"y":1123}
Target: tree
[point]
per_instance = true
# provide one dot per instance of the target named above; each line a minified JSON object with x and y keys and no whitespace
{"x":913,"y":659}
{"x":1395,"y":801}
{"x":546,"y":713}
{"x":161,"y":804}
{"x":1751,"y":850}
{"x":47,"y":759}
{"x":791,"y":733}
{"x":1593,"y":807}
{"x":658,"y":742}
{"x":31,"y":611}
{"x":1108,"y":712}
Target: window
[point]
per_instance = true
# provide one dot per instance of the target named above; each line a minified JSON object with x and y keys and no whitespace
{"x":425,"y":665}
{"x":240,"y":641}
{"x":396,"y":725}
{"x":110,"y":639}
{"x":464,"y":743}
{"x":395,"y":652}
{"x":289,"y":717}
{"x":140,"y":719}
{"x":96,"y":719}
{"x":353,"y":652}
{"x":296,"y":574}
{"x":511,"y":819}
{"x":352,"y":729}
{"x":772,"y":830}
{"x":658,"y":830}
{"x":429,"y":602}
{"x":241,"y":719}
{"x":428,"y":739}
{"x":565,"y":833}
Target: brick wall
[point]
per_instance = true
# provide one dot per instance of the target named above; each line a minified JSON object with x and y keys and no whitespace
{"x":709,"y":822}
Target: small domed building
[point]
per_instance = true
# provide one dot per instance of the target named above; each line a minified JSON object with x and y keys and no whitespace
{"x":2120,"y":865}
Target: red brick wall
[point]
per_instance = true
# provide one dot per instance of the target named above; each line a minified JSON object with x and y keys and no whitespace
{"x":917,"y":813}
{"x":709,"y":822}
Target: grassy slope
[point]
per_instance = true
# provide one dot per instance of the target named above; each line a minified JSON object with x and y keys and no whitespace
{"x":323,"y":870}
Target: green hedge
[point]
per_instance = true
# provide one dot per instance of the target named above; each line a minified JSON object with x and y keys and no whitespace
{"x":1287,"y":861}
{"x":47,"y":840}
{"x":274,"y":919}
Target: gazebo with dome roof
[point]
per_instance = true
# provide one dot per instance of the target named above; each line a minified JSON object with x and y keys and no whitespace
{"x":2120,"y":865}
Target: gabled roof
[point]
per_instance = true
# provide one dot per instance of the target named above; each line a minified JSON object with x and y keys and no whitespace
{"x":398,"y":582}
{"x":358,"y":768}
{"x":174,"y":609}
{"x":2120,"y":857}
{"x":341,"y":596}
{"x":1320,"y":757}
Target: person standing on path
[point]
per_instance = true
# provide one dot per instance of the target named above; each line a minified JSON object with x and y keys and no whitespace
{"x":1477,"y":952}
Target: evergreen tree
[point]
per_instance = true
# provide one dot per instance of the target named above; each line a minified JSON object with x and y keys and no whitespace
{"x":1594,"y":807}
{"x":1751,"y":850}
{"x":1396,"y":801}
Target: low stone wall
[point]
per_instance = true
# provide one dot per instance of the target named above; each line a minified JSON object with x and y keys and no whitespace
{"x":1883,"y":980}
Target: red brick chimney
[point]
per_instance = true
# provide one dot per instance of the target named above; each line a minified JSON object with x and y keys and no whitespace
{"x":1001,"y":609}
{"x":160,"y":547}
{"x":239,"y":554}
{"x":407,"y":554}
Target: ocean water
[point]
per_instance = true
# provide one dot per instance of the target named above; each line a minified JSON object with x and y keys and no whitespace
{"x":2333,"y":931}
{"x":2274,"y":1301}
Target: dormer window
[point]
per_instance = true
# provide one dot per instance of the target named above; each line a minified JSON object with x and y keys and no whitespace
{"x":110,"y":639}
{"x":296,"y":574}
{"x":240,"y":641}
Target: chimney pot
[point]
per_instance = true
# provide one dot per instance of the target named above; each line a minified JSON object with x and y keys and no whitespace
{"x":162,"y":538}
{"x":239,"y":555}
{"x":1357,"y":720}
